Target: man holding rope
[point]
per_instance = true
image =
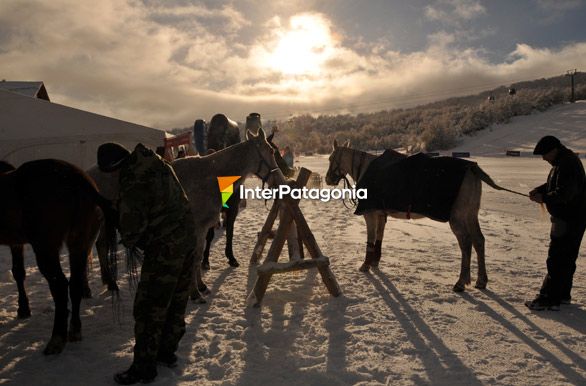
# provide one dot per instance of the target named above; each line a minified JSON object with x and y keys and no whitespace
{"x":564,"y":195}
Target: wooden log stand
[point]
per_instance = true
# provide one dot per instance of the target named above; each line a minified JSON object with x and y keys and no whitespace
{"x":292,"y":215}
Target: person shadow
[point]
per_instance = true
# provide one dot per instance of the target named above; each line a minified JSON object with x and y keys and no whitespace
{"x":574,"y":320}
{"x":442,"y":365}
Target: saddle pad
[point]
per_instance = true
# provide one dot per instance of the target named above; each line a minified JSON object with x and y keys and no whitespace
{"x":416,"y":184}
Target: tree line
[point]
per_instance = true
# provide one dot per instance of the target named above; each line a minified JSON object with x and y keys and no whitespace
{"x":434,"y":126}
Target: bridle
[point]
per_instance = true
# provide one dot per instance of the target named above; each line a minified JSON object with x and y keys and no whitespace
{"x":262,"y":163}
{"x":337,"y":172}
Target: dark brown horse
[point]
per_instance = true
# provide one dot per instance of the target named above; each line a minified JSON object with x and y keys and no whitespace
{"x":222,"y":133}
{"x":19,"y":272}
{"x":46,"y":203}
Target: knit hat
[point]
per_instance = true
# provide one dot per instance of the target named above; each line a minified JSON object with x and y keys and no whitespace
{"x":546,"y":144}
{"x":111,"y":156}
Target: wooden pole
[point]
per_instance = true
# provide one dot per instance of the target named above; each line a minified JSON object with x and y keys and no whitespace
{"x":291,"y":214}
{"x":264,"y":233}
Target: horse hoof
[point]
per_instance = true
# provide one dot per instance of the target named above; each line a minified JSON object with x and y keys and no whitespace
{"x":480,"y":285}
{"x":74,"y":336}
{"x":204,"y":290}
{"x":113,"y":287}
{"x":198,"y":300}
{"x":364,"y":268}
{"x":459,"y":287}
{"x":55,"y":346}
{"x":23,"y":314}
{"x":233,"y":263}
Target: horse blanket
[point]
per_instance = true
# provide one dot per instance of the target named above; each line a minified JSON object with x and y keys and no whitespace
{"x":416,"y":184}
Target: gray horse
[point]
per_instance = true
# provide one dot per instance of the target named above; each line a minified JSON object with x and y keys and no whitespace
{"x":463,"y":216}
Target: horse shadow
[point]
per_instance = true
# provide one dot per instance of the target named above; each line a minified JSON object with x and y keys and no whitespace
{"x":441,"y":364}
{"x":568,"y":372}
{"x":22,"y":341}
{"x":271,"y":341}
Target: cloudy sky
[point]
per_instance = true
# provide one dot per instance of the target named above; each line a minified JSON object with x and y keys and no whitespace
{"x":164,"y":63}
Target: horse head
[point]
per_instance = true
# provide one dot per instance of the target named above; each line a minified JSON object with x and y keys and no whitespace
{"x":285,"y":169}
{"x":264,"y":153}
{"x":336,"y":170}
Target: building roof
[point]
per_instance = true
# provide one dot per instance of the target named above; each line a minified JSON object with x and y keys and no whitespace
{"x":31,"y":128}
{"x":30,"y":89}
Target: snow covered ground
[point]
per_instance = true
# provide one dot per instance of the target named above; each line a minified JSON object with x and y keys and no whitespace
{"x":401,"y":324}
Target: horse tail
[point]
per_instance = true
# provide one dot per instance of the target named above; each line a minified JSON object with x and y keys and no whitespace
{"x":490,"y":182}
{"x":110,"y":226}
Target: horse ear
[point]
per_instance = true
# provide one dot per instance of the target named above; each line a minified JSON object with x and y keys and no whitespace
{"x":347,"y":144}
{"x":261,"y":134}
{"x":249,"y":135}
{"x":335,"y":144}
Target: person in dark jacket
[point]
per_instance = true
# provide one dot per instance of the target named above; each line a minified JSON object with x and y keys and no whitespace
{"x":155,"y":217}
{"x":564,"y":195}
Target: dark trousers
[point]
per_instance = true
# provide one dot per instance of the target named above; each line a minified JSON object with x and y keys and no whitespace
{"x":564,"y":248}
{"x":160,"y":303}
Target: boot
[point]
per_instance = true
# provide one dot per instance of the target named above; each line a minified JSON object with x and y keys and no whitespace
{"x":136,"y":374}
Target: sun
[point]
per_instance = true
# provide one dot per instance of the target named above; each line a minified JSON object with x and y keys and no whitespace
{"x":303,"y":48}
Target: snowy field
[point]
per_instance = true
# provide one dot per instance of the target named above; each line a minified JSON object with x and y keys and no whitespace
{"x":400,"y":324}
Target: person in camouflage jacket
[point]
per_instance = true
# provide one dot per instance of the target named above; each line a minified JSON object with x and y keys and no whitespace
{"x":155,"y":217}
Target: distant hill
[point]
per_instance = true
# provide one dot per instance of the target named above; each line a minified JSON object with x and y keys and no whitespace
{"x":434,"y":126}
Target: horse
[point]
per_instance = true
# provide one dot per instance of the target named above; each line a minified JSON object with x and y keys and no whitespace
{"x":109,"y":188}
{"x":198,"y":176}
{"x":463,"y":218}
{"x":222,"y":133}
{"x":19,"y":272}
{"x":46,"y":203}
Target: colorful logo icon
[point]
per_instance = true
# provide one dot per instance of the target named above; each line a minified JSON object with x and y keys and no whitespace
{"x":227,"y":188}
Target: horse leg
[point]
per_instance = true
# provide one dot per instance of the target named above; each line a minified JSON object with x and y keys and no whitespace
{"x":19,"y":274}
{"x":465,"y":242}
{"x":198,"y":286}
{"x":231,"y":215}
{"x":48,"y":262}
{"x":205,"y":262}
{"x":78,"y":264}
{"x":378,"y":244}
{"x":371,"y":226}
{"x":478,"y":243}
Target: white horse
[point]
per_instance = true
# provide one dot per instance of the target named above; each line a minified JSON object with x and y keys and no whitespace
{"x":463,"y":216}
{"x":198,"y":175}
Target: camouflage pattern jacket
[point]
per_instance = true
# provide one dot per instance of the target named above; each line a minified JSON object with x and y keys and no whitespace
{"x":154,"y":209}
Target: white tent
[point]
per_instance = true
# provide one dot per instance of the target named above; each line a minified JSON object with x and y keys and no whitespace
{"x":32,"y":128}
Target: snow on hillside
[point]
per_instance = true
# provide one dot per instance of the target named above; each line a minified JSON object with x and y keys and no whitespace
{"x":399,"y":325}
{"x":568,"y":122}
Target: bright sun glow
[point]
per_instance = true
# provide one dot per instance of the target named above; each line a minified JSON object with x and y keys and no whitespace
{"x":303,"y":48}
